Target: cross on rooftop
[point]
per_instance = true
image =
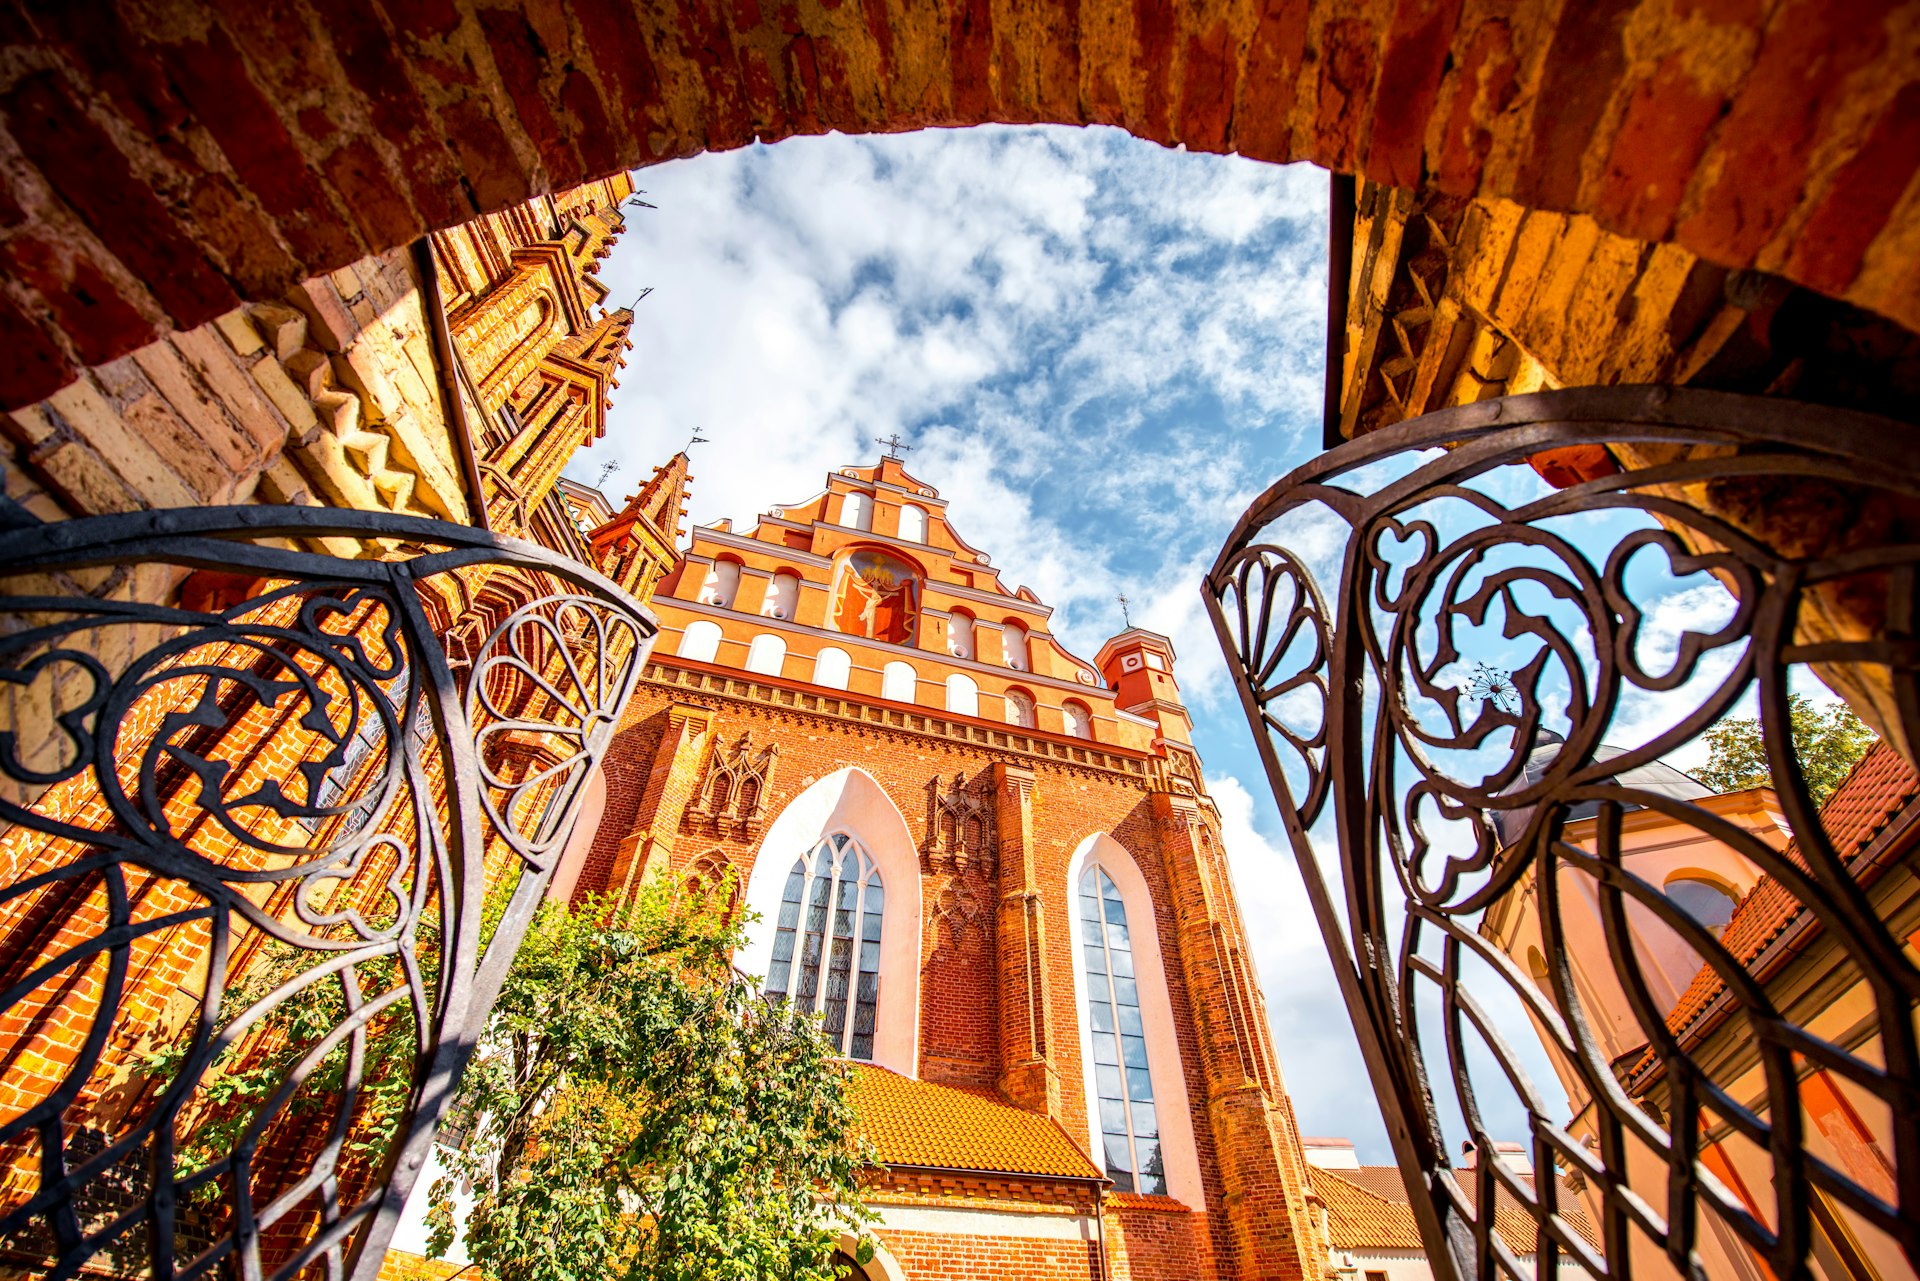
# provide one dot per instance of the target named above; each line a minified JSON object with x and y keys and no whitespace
{"x":1125,"y":613}
{"x":893,"y":443}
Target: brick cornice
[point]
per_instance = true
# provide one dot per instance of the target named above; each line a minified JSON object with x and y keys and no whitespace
{"x":690,"y":683}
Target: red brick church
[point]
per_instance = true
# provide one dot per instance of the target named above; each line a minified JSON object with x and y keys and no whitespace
{"x":993,"y":868}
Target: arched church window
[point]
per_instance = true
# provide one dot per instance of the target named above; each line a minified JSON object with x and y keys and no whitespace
{"x":783,"y":597}
{"x":701,"y":641}
{"x":963,"y":696}
{"x":899,"y":682}
{"x":723,"y":583}
{"x":878,"y":597}
{"x":1706,"y":902}
{"x":1129,"y":1125}
{"x":1020,"y":709}
{"x":767,"y":655}
{"x":831,"y":667}
{"x":826,"y":947}
{"x":856,"y":511}
{"x":1013,"y":645}
{"x":1079,"y":720}
{"x":960,"y":639}
{"x":913,"y":523}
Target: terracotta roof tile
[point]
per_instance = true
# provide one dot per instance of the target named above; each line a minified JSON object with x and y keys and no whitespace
{"x":1358,"y":1219}
{"x":1367,"y":1209}
{"x":913,"y":1122}
{"x":1880,"y":785}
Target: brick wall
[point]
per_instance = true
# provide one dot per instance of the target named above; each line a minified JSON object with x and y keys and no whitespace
{"x":169,"y":161}
{"x":1254,"y":1189}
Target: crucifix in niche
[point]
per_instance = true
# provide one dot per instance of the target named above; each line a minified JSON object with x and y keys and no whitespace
{"x":878,"y":598}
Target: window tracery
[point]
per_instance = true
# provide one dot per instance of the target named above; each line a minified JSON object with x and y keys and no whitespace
{"x":826,"y":948}
{"x":1129,"y":1124}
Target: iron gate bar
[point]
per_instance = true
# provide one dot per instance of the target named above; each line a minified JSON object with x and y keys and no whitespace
{"x":1285,"y":643}
{"x":573,"y":654}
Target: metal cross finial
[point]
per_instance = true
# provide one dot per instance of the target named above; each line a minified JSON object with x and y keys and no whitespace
{"x":607,"y":469}
{"x":893,"y":443}
{"x":1125,"y":613}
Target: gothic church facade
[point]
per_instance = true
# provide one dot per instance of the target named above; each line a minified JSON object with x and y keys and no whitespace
{"x":992,"y":867}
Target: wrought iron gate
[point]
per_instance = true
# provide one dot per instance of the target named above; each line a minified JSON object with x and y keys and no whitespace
{"x":268,"y":852}
{"x":1463,"y":684}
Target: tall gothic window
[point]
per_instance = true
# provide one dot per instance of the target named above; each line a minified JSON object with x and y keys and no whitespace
{"x":1129,"y":1128}
{"x":829,"y":915}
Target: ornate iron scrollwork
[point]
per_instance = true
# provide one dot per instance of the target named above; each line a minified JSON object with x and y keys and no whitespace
{"x":267,"y":856}
{"x":1500,"y":895}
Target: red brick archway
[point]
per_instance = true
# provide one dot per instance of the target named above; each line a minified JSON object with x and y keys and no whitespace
{"x":166,"y":159}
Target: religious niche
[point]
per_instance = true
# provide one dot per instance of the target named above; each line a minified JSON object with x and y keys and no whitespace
{"x":959,"y":826}
{"x":878,"y":597}
{"x":733,"y":795}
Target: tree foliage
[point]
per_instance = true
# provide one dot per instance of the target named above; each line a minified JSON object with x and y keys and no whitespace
{"x":642,"y":1113}
{"x":1827,"y":742}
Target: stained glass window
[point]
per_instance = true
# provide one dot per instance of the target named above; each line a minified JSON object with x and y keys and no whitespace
{"x":826,"y":945}
{"x":1129,"y":1127}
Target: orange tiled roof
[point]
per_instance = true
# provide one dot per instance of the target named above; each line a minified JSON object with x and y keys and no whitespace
{"x":1359,"y":1219}
{"x":1879,"y":786}
{"x":1367,"y":1209}
{"x":913,"y":1122}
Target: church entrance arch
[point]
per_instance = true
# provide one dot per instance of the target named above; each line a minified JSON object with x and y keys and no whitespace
{"x":1750,"y":142}
{"x":849,"y":802}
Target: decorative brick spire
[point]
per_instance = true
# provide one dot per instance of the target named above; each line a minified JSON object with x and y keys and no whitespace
{"x":661,"y":504}
{"x":640,"y":543}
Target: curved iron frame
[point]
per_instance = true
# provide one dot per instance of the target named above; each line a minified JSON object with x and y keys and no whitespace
{"x":1353,"y":686}
{"x":348,"y":646}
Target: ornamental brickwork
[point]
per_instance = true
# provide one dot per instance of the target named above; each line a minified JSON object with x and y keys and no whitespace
{"x":337,"y":395}
{"x":856,"y":635}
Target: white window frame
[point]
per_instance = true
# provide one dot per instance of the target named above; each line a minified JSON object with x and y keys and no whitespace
{"x":700,"y":642}
{"x":722,"y":585}
{"x":832,"y":667}
{"x":767,"y":655}
{"x":913,"y":523}
{"x":900,"y":682}
{"x":963,"y":695}
{"x":1178,"y":1153}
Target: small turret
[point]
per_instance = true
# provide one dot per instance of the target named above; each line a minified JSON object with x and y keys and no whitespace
{"x":1138,"y":666}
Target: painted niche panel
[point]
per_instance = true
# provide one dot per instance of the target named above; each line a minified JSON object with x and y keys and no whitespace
{"x":878,"y":598}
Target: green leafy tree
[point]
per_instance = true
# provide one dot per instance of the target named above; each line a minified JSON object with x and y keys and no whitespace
{"x":1826,"y":741}
{"x":639,"y":1111}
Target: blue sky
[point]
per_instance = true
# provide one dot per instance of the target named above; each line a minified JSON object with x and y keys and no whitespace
{"x":1101,"y":351}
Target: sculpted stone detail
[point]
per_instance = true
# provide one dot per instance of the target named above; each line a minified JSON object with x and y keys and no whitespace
{"x":733,"y":795}
{"x":959,"y":826}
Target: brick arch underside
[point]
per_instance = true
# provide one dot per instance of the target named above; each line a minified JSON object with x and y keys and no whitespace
{"x":164,"y":164}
